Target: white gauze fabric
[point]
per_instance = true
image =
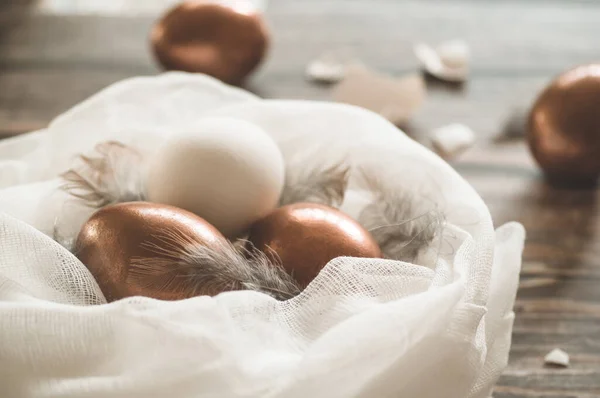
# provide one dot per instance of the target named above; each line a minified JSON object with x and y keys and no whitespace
{"x":363,"y":328}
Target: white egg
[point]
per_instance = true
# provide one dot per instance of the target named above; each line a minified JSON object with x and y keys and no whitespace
{"x":453,"y":139}
{"x":227,"y":171}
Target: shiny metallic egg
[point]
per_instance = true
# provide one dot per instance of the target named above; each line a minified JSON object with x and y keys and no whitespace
{"x":227,"y":42}
{"x":304,"y":237}
{"x":131,"y":248}
{"x":564,"y":127}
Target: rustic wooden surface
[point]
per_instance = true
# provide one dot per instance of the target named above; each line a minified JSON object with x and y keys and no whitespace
{"x":49,"y":62}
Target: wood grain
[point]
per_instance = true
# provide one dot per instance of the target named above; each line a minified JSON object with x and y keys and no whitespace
{"x":50,"y":62}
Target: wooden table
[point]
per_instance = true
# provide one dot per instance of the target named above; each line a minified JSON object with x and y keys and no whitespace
{"x":49,"y":62}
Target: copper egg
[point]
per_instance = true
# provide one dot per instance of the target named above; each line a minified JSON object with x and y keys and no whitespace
{"x":226,"y":42}
{"x":304,"y":237}
{"x":116,"y":236}
{"x":564,"y":127}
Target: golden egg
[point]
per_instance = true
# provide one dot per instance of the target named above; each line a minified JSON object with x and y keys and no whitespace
{"x":226,"y":42}
{"x":564,"y":127}
{"x":133,"y":249}
{"x":304,"y":237}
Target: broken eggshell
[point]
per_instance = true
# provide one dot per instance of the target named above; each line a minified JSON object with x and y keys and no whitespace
{"x":396,"y":99}
{"x":449,"y":61}
{"x":451,"y":140}
{"x":326,"y":71}
{"x":330,"y":67}
{"x":557,"y":357}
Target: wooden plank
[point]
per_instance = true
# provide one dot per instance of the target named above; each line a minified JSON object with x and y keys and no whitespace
{"x":112,"y":48}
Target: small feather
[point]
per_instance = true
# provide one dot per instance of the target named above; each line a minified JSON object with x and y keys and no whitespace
{"x":111,"y":175}
{"x":183,"y":263}
{"x":315,"y":183}
{"x":402,"y":223}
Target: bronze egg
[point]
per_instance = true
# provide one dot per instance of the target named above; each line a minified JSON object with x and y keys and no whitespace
{"x":226,"y":42}
{"x":564,"y":127}
{"x":304,"y":237}
{"x":116,"y":236}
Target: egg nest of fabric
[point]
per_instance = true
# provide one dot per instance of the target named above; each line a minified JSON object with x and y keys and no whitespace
{"x":362,"y":327}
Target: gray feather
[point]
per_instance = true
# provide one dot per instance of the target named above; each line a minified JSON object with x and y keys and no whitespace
{"x":403,"y":223}
{"x":315,"y":183}
{"x":182,"y":262}
{"x":111,"y":175}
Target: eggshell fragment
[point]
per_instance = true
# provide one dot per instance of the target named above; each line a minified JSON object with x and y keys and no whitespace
{"x":557,"y":357}
{"x":453,"y":139}
{"x":396,"y":99}
{"x":454,"y":53}
{"x":326,"y":69}
{"x":449,"y":61}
